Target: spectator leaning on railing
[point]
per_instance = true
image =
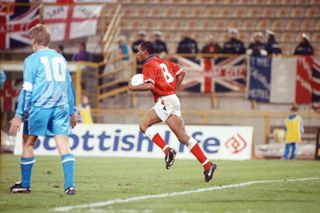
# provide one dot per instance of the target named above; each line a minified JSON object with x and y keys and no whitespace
{"x":159,"y":45}
{"x":257,"y":48}
{"x":233,"y":45}
{"x":272,"y":46}
{"x":304,"y":47}
{"x":188,"y":46}
{"x":212,"y":47}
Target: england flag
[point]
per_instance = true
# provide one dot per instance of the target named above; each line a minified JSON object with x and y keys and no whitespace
{"x":71,"y":21}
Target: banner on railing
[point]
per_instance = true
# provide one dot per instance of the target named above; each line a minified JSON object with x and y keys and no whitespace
{"x":14,"y":29}
{"x":7,"y":7}
{"x":280,"y":80}
{"x":316,"y":84}
{"x":125,"y":140}
{"x":219,"y":75}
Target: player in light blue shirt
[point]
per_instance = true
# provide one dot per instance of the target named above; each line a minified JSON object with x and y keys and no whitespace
{"x":47,"y":107}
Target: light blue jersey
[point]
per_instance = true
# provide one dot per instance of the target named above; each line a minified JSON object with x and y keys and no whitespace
{"x":47,"y":83}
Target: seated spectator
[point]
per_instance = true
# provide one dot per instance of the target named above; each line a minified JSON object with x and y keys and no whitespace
{"x":257,"y":48}
{"x":159,"y":45}
{"x":188,"y":46}
{"x":211,"y":47}
{"x":304,"y":47}
{"x":122,"y":49}
{"x":272,"y":46}
{"x":233,"y":45}
{"x":60,"y":49}
{"x":82,"y":54}
{"x":140,"y":40}
{"x":134,"y":47}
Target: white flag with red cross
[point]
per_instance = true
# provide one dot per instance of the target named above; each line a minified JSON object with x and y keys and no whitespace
{"x":71,"y":21}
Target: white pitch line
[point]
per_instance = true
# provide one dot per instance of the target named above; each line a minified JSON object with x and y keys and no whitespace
{"x":172,"y":194}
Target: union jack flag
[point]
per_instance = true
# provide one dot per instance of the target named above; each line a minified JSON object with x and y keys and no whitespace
{"x":14,"y":29}
{"x":6,"y":7}
{"x":227,"y":75}
{"x":316,"y":84}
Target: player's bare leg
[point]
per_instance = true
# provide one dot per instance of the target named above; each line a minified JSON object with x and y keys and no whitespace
{"x":27,"y":147}
{"x":26,"y":164}
{"x":146,"y":123}
{"x":67,"y":159}
{"x":149,"y":119}
{"x":62,"y":143}
{"x":177,"y":126}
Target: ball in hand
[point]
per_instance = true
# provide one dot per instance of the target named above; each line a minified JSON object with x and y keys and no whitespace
{"x":137,"y":79}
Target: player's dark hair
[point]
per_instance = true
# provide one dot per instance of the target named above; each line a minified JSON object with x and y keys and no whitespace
{"x":148,"y":46}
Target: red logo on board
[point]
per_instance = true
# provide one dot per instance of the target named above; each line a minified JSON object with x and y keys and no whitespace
{"x":236,"y":144}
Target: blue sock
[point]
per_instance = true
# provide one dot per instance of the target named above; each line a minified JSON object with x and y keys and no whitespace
{"x":26,"y":170}
{"x":68,"y":170}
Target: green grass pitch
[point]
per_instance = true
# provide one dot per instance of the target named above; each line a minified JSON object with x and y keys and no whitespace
{"x":103,"y":179}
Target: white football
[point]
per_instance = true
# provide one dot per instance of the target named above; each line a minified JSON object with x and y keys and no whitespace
{"x":137,"y":79}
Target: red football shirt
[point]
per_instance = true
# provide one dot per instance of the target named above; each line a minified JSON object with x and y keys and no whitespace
{"x":162,"y":73}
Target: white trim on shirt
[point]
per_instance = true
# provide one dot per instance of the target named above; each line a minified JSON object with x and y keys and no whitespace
{"x":27,"y":86}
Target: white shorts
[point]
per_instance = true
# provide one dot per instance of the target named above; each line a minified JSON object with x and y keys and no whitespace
{"x":167,"y":105}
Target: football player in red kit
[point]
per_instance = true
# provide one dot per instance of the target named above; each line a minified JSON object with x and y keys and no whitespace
{"x":163,"y":77}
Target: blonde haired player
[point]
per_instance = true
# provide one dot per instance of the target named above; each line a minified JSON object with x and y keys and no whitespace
{"x":163,"y":77}
{"x":46,"y":106}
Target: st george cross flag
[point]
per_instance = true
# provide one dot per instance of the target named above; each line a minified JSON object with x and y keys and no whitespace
{"x":14,"y":29}
{"x":280,"y":80}
{"x":71,"y":21}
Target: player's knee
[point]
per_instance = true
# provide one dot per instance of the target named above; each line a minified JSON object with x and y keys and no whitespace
{"x":27,"y":147}
{"x":27,"y":150}
{"x":183,"y":138}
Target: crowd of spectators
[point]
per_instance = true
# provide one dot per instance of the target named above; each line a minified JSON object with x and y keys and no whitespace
{"x":262,"y":44}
